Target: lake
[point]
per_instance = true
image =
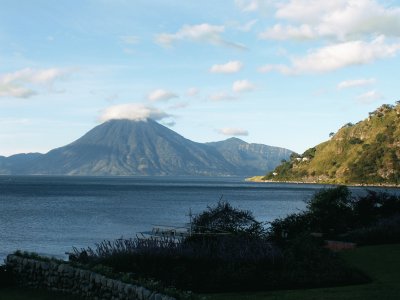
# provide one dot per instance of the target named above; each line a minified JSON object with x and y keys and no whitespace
{"x":51,"y":214}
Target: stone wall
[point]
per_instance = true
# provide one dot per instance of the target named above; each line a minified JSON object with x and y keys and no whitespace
{"x":61,"y":277}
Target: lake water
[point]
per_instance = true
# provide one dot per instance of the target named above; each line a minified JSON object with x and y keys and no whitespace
{"x":49,"y":215}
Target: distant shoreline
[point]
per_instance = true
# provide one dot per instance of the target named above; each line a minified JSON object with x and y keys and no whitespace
{"x":259,"y":179}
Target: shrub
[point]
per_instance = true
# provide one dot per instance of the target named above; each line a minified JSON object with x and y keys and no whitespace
{"x":334,"y":212}
{"x":229,"y":251}
{"x":308,"y":264}
{"x":223,"y":218}
{"x":230,"y":263}
{"x":330,"y":210}
{"x":385,"y":231}
{"x":374,"y":206}
{"x":289,"y":227}
{"x":6,"y":277}
{"x":202,"y":263}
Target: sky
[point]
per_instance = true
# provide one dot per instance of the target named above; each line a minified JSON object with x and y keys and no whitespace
{"x":284,"y":73}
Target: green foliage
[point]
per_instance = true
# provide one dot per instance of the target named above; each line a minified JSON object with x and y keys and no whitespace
{"x":380,"y":138}
{"x":308,"y":264}
{"x":330,"y":210}
{"x":384,"y":231}
{"x":289,"y":227}
{"x":334,"y":213}
{"x":355,"y":141}
{"x":310,"y":153}
{"x":294,"y":155}
{"x":375,"y":206}
{"x":283,"y":171}
{"x":229,"y":251}
{"x":362,"y":153}
{"x":223,"y":218}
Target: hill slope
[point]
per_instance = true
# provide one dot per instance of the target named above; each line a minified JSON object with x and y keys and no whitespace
{"x":364,"y":153}
{"x":16,"y":163}
{"x":250,"y":156}
{"x":125,"y":147}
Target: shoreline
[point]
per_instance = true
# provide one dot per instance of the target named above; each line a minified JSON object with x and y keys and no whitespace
{"x":260,"y":180}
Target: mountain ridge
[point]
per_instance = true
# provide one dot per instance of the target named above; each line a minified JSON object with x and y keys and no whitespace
{"x":127,"y":147}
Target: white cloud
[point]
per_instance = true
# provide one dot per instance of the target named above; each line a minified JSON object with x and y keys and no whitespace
{"x":129,"y":39}
{"x":15,"y":91}
{"x":132,"y":111}
{"x":247,"y":5}
{"x":192,"y":92}
{"x":337,"y":56}
{"x":230,"y":67}
{"x":222,"y":96}
{"x":169,"y":123}
{"x":199,"y":33}
{"x":308,"y":10}
{"x":21,"y":84}
{"x":242,"y":86}
{"x":233,"y":131}
{"x":279,"y":32}
{"x":278,"y":68}
{"x":355,"y":83}
{"x":247,"y":26}
{"x":179,"y":105}
{"x":254,"y":5}
{"x":161,"y":95}
{"x":339,"y":19}
{"x":369,"y":97}
{"x":33,"y":76}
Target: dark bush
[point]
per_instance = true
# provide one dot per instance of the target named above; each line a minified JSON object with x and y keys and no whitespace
{"x":289,"y":227}
{"x":230,"y":263}
{"x":373,"y":206}
{"x":355,"y":141}
{"x":230,"y":251}
{"x":308,"y":264}
{"x":203,"y":263}
{"x":334,"y":212}
{"x":366,"y":208}
{"x":6,"y":277}
{"x":385,"y":231}
{"x":330,"y":211}
{"x":223,"y":218}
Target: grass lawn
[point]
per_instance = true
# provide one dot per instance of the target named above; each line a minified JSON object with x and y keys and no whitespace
{"x":381,"y":263}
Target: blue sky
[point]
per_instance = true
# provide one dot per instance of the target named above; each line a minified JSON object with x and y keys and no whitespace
{"x":278,"y":72}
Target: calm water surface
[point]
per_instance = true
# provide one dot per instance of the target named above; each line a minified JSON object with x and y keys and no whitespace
{"x":49,"y":215}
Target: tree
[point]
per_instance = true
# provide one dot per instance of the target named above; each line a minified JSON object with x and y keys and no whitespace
{"x":223,"y":218}
{"x":310,"y":153}
{"x":331,"y":134}
{"x":331,"y":210}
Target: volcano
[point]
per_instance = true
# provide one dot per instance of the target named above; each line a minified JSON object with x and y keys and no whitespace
{"x":127,"y":147}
